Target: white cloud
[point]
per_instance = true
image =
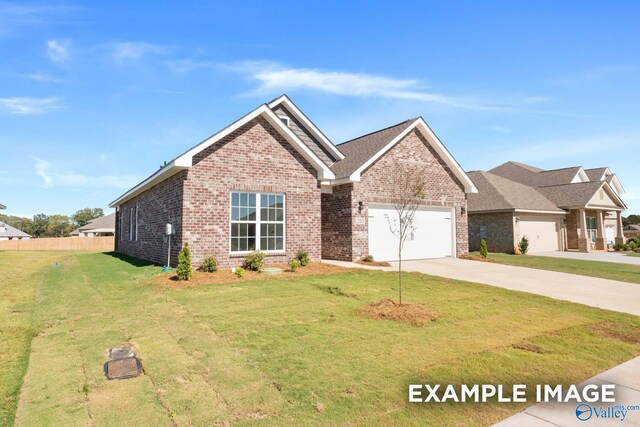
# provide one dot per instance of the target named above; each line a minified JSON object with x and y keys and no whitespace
{"x":500,"y":129}
{"x":274,"y":77}
{"x":132,"y":51}
{"x":58,"y":50}
{"x":51,"y":177}
{"x":26,"y":105}
{"x":41,"y":77}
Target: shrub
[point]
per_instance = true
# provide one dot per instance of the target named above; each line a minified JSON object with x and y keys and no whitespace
{"x":618,"y":247}
{"x":184,"y":263}
{"x":303,"y":257}
{"x":524,"y":245}
{"x":484,"y":251}
{"x":294,"y":264}
{"x":209,"y":265}
{"x":238,"y":271}
{"x":368,"y":258}
{"x":254,"y":261}
{"x":632,"y":246}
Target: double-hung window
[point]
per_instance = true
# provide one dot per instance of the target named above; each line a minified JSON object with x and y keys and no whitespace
{"x":257,"y":222}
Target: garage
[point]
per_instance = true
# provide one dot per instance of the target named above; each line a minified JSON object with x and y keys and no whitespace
{"x":432,"y":238}
{"x":542,"y":233}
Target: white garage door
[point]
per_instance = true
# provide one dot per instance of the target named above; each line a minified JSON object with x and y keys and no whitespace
{"x":542,"y":234}
{"x":432,"y":237}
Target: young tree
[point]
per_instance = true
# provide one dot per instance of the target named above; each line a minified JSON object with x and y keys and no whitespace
{"x":184,"y":271}
{"x":409,"y":193}
{"x":83,"y":216}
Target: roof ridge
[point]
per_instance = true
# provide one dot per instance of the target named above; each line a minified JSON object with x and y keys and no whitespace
{"x":376,"y":131}
{"x":561,"y":169}
{"x":570,"y":183}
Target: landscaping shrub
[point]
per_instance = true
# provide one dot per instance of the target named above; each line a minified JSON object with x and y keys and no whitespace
{"x":524,"y":245}
{"x":294,"y":264}
{"x":239,"y":271}
{"x":618,"y":247}
{"x":368,"y":258}
{"x":303,"y":257}
{"x":254,"y":261}
{"x":184,"y":263}
{"x":484,"y":252}
{"x":209,"y":265}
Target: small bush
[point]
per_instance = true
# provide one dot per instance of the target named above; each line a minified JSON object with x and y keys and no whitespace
{"x":184,"y":263}
{"x":294,"y":264}
{"x":303,"y":257}
{"x":368,"y":258}
{"x":239,"y":271}
{"x":618,"y":247}
{"x":484,"y":251}
{"x":524,"y":245}
{"x":209,"y":265}
{"x":637,"y":250}
{"x":254,"y":261}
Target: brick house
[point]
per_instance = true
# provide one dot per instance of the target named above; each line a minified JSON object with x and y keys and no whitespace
{"x":272,"y":181}
{"x":562,"y":209}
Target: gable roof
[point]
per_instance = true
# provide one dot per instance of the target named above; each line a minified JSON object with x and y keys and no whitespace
{"x":530,"y":175}
{"x":106,"y":222}
{"x":596,"y":174}
{"x":367,"y":149}
{"x":497,"y":193}
{"x":632,"y":227}
{"x":8,"y":231}
{"x":362,"y":148}
{"x":185,"y":160}
{"x":577,"y":195}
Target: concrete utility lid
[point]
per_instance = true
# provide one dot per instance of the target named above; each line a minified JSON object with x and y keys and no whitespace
{"x":271,"y":270}
{"x":123,"y":368}
{"x":120,"y":353}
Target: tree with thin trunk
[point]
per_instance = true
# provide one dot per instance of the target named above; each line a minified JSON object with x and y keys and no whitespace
{"x":408,"y":194}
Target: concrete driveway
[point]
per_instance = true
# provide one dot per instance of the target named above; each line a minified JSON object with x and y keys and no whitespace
{"x":609,"y":294}
{"x":616,"y":257}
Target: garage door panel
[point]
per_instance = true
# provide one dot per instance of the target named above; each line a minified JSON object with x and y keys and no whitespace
{"x":542,"y":234}
{"x":431,"y":238}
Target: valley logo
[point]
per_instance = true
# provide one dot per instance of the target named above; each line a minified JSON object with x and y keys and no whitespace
{"x":585,"y":412}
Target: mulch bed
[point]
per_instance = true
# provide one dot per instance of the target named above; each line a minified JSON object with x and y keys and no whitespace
{"x":388,"y":309}
{"x":476,"y":258}
{"x":374,"y":263}
{"x":225,"y":276}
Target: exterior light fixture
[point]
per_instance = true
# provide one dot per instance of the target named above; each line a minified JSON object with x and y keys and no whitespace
{"x":360,"y":207}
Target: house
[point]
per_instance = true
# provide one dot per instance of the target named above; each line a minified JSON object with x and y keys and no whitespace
{"x":101,"y":226}
{"x":631,"y":231}
{"x":2,"y":206}
{"x":272,"y":181}
{"x":8,"y":232}
{"x":562,"y":209}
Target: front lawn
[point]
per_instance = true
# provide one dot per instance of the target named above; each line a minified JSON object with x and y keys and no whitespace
{"x":283,"y":352}
{"x":604,"y":270}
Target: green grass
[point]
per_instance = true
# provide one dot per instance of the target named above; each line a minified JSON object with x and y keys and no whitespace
{"x":283,"y":352}
{"x":634,"y":254}
{"x":604,"y":270}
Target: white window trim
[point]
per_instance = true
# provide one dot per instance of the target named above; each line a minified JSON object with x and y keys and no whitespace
{"x":130,"y":224}
{"x":121,"y":224}
{"x":136,"y":224}
{"x":258,"y":222}
{"x":286,"y":120}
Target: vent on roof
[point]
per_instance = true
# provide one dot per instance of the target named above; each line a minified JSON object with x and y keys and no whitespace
{"x":284,"y":120}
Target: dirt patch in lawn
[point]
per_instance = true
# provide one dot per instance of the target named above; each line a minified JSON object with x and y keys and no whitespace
{"x":527,"y":346}
{"x":225,"y":276}
{"x":476,"y":258}
{"x":617,"y":331}
{"x":388,"y":309}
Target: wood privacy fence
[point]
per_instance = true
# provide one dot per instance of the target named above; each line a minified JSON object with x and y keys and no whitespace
{"x":91,"y":244}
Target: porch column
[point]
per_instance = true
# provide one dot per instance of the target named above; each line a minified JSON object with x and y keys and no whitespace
{"x":601,"y":241}
{"x":584,"y":245}
{"x":619,"y":228}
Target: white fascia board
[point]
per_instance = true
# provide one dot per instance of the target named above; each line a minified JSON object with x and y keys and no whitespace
{"x":581,"y":176}
{"x":289,"y":105}
{"x":617,"y":185}
{"x":533,"y":211}
{"x":165,"y":172}
{"x":613,"y":194}
{"x":437,"y":145}
{"x":606,"y":173}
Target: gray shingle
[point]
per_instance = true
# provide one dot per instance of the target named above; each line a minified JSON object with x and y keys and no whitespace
{"x":358,"y":151}
{"x":7,"y":231}
{"x":571,"y":195}
{"x":107,"y":221}
{"x":595,"y":174}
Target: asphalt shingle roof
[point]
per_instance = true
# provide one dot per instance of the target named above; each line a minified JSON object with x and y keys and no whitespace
{"x":595,"y":174}
{"x":107,"y":221}
{"x":9,"y":231}
{"x":571,"y":195}
{"x":358,"y":151}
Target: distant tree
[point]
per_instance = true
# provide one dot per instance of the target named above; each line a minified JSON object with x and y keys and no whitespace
{"x":59,"y":226}
{"x":83,"y":216}
{"x":409,"y":193}
{"x":631,"y":219}
{"x":40,"y":225}
{"x":22,"y":224}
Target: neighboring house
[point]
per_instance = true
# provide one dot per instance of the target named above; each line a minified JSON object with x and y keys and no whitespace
{"x":2,"y":206}
{"x":272,"y":181}
{"x":8,"y":232}
{"x":101,"y":226}
{"x":562,"y":209}
{"x":631,"y":231}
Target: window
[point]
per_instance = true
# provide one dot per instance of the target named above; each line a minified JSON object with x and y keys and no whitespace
{"x":483,"y":232}
{"x":257,"y":222}
{"x":136,"y":229}
{"x":131,"y":224}
{"x":121,"y":225}
{"x":284,"y":120}
{"x":592,"y":228}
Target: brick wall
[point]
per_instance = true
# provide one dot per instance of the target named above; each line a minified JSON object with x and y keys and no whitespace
{"x":337,"y":213}
{"x":377,"y":186}
{"x":500,"y":231}
{"x":573,"y":228}
{"x":157,"y":206}
{"x":255,"y":158}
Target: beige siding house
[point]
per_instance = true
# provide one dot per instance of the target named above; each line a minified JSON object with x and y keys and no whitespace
{"x":563,"y":209}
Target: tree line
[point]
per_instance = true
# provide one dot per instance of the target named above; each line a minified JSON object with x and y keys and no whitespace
{"x":42,"y":225}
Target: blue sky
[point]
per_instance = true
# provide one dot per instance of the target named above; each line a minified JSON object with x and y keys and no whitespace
{"x":95,"y":96}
